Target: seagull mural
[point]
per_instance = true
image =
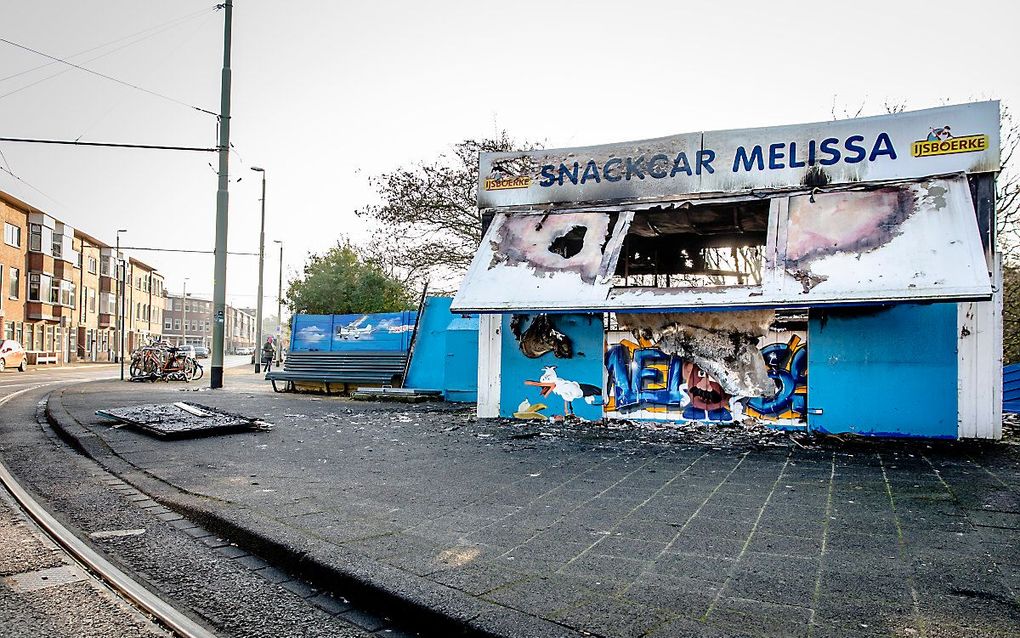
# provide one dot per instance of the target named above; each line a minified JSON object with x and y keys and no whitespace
{"x":569,"y":391}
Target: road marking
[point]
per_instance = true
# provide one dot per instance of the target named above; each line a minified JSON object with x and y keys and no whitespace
{"x":116,"y":533}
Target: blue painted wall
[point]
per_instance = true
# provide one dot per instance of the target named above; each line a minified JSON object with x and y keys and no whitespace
{"x":1011,"y":388}
{"x":461,"y":358}
{"x":884,"y":372}
{"x":445,"y":353}
{"x":585,"y":331}
{"x":379,"y":332}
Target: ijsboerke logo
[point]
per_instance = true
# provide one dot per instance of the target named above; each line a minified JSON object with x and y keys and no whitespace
{"x":503,"y":183}
{"x":940,"y":141}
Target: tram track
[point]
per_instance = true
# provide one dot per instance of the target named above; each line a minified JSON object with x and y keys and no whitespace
{"x":96,"y":565}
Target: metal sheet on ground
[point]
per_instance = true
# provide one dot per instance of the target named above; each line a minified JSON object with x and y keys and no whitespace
{"x":180,"y":420}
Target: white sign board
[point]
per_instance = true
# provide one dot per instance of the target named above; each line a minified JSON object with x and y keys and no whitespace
{"x":914,"y":144}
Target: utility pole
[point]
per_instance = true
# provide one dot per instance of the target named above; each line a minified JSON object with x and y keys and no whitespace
{"x":279,"y":310}
{"x":262,"y":258}
{"x":222,"y":200}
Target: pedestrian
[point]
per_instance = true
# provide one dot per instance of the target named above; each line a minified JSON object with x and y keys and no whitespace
{"x":268,"y":353}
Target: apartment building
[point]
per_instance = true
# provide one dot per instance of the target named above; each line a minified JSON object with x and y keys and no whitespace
{"x":144,"y":304}
{"x":190,"y":320}
{"x":13,"y":256}
{"x":97,"y":333}
{"x":59,"y":290}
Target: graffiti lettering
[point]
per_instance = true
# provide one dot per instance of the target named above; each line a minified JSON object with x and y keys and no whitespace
{"x":787,"y":365}
{"x":643,"y":380}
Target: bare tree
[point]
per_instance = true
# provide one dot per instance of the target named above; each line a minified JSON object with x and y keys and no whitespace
{"x":1007,"y":191}
{"x":428,"y":224}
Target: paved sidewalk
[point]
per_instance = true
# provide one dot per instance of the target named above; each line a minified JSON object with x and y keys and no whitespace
{"x":549,"y":531}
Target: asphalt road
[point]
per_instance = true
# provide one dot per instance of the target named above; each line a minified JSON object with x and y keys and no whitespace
{"x":205,"y":576}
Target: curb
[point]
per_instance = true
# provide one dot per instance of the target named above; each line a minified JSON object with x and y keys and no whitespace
{"x":377,"y":587}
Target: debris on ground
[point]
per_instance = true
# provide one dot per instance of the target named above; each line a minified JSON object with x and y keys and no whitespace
{"x":747,"y":434}
{"x":182,"y":419}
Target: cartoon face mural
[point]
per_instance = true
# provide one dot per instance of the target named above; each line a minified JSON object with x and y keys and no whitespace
{"x":643,"y":382}
{"x":708,"y":400}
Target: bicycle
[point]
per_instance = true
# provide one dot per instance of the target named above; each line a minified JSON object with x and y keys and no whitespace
{"x":158,"y":361}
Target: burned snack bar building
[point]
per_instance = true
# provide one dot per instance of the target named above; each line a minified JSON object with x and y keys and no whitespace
{"x":835,"y":277}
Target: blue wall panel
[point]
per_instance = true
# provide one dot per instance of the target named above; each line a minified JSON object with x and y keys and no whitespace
{"x":461,"y":358}
{"x":427,"y":370}
{"x":379,"y":332}
{"x":580,"y":373}
{"x":884,"y":372}
{"x":311,"y":333}
{"x":1011,"y":388}
{"x":445,"y":353}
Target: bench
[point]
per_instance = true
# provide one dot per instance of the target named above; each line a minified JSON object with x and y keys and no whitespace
{"x":42,"y":357}
{"x":331,"y":368}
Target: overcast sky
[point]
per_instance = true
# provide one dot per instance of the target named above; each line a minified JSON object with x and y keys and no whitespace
{"x":327,"y":93}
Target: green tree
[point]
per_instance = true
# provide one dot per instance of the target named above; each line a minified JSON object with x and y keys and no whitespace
{"x":344,"y":281}
{"x":428,"y":224}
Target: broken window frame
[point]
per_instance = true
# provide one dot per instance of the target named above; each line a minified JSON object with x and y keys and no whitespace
{"x":698,"y":239}
{"x":777,"y":287}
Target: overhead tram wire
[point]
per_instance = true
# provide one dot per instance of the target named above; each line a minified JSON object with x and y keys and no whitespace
{"x":158,"y":147}
{"x":110,"y":78}
{"x":179,"y":43}
{"x":156,"y":29}
{"x":52,"y":199}
{"x":186,"y":250}
{"x":92,"y":59}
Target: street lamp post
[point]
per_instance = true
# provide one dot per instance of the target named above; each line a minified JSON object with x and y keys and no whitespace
{"x":120,"y":298}
{"x":262,"y":251}
{"x":279,"y":311}
{"x":184,"y":313}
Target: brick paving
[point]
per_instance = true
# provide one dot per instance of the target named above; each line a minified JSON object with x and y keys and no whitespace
{"x":628,"y":532}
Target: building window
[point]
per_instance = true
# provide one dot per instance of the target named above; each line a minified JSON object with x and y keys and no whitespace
{"x":9,"y":330}
{"x":67,"y":290}
{"x":14,"y":283}
{"x":92,"y":300}
{"x":168,"y":325}
{"x":34,"y":283}
{"x":54,"y":291}
{"x":177,"y":324}
{"x":40,"y":239}
{"x":92,"y":265}
{"x":58,"y":246}
{"x":12,"y":235}
{"x":35,"y":237}
{"x":108,"y":303}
